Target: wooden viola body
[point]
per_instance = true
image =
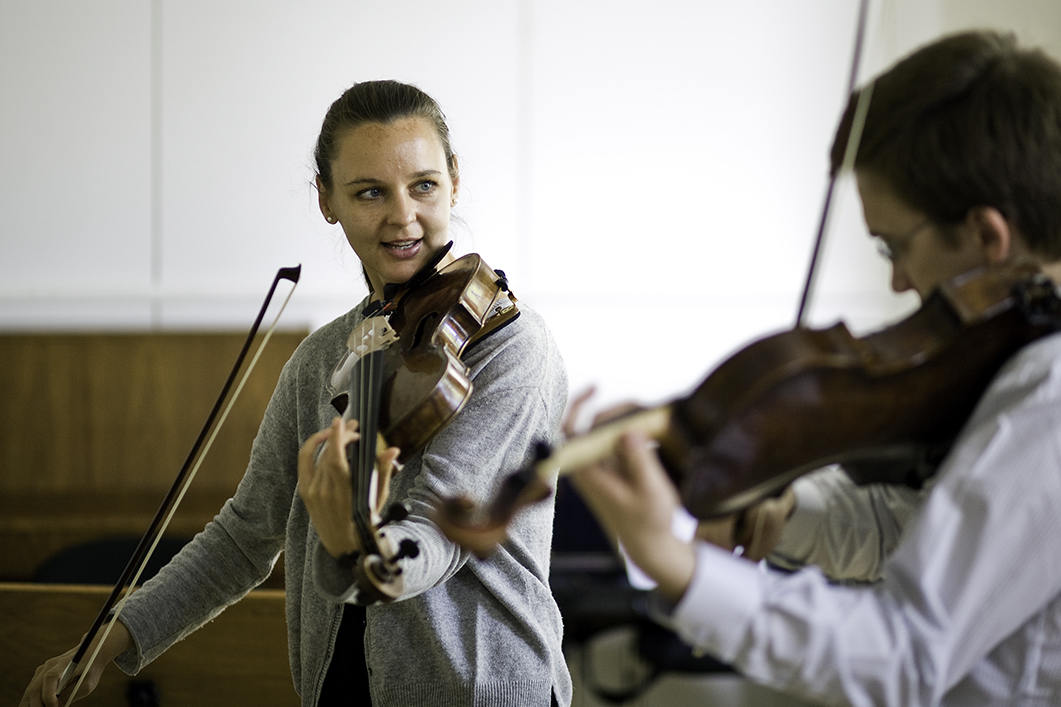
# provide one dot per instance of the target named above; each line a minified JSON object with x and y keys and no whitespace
{"x":404,"y":383}
{"x":426,"y":383}
{"x":886,"y":406}
{"x":421,"y":337}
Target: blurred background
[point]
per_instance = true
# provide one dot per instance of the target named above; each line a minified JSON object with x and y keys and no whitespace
{"x":648,"y":174}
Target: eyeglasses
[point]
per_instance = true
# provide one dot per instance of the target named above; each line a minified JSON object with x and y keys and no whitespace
{"x":893,"y":248}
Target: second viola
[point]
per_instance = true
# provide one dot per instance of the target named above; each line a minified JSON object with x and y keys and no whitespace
{"x":886,"y":406}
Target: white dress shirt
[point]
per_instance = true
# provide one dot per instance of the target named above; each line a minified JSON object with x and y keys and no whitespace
{"x":846,"y":530}
{"x":968,"y":607}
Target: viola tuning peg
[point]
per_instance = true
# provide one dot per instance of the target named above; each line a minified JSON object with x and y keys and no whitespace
{"x":456,"y":510}
{"x":395,"y":511}
{"x":407,"y":548}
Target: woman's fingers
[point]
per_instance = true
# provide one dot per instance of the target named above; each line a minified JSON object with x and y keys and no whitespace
{"x":387,"y":458}
{"x":44,"y":687}
{"x":387,"y":465}
{"x":340,"y":435}
{"x":320,"y":466}
{"x":307,"y":459}
{"x":324,"y":485}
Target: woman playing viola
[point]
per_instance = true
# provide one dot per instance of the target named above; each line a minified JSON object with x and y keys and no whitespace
{"x":461,"y":631}
{"x":959,"y":167}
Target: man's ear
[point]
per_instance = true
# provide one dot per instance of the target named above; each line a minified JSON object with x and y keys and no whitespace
{"x":993,"y":233}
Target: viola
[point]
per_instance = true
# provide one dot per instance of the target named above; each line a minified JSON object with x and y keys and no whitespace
{"x":404,"y":381}
{"x":886,"y":406}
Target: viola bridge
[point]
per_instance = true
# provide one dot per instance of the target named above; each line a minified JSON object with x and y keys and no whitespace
{"x":372,"y":334}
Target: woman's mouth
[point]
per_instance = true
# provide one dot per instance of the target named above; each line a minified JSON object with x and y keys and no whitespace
{"x":403,"y":249}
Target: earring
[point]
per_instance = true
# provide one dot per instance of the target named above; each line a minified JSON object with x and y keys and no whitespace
{"x":330,"y":219}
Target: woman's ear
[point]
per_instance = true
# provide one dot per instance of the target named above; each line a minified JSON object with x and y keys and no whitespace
{"x":456,"y":179}
{"x":993,"y":233}
{"x":322,"y":201}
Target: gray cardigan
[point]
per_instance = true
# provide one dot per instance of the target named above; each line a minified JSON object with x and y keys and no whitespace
{"x":465,"y":631}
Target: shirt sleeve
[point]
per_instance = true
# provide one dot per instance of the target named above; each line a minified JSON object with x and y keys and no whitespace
{"x":845,"y":529}
{"x":971,"y":569}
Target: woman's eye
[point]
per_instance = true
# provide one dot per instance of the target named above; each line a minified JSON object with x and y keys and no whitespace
{"x":425,"y":187}
{"x":370,"y":193}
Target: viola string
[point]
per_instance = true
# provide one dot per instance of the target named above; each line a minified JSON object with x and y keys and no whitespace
{"x":365,"y":427}
{"x":357,"y":473}
{"x":366,"y":403}
{"x":372,"y":416}
{"x":368,"y":438}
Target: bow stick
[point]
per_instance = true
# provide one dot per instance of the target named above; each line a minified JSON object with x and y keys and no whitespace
{"x":532,"y":483}
{"x":854,"y":137}
{"x":146,"y":547}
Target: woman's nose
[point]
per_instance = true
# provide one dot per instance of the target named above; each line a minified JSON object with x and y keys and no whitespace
{"x":402,"y":210}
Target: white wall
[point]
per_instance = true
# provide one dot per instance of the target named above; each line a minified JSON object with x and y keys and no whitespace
{"x":649,"y":174}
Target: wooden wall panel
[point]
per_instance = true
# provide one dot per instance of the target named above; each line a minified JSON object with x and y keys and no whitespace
{"x":95,"y":427}
{"x":240,"y":658}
